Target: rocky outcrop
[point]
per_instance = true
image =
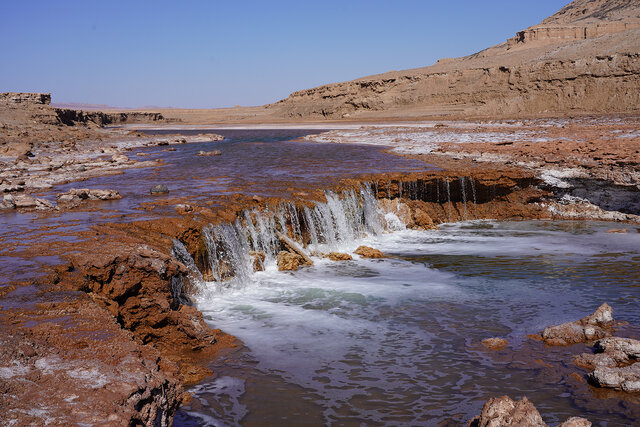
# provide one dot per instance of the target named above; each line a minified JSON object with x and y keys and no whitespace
{"x":593,"y":327}
{"x":614,"y":364}
{"x":99,"y":118}
{"x":77,"y":195}
{"x":25,"y":98}
{"x":504,"y":411}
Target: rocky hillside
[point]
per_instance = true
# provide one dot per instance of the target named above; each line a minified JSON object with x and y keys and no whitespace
{"x":583,"y":59}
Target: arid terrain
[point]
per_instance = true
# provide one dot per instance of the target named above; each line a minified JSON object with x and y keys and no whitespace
{"x":97,"y":304}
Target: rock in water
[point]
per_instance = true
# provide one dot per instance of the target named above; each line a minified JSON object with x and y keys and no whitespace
{"x":258,"y":260}
{"x":210,"y":153}
{"x":338,"y":256}
{"x":495,"y":343}
{"x":159,"y":189}
{"x":503,"y":411}
{"x":593,"y":327}
{"x":288,"y":261}
{"x":368,"y":252}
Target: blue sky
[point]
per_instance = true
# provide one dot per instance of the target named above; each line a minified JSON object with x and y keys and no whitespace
{"x":223,"y":53}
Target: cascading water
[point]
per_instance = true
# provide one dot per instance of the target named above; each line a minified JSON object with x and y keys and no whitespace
{"x":335,"y":225}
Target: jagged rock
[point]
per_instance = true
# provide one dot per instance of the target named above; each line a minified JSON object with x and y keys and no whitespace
{"x":294,"y":248}
{"x":626,"y":378}
{"x":609,"y":364}
{"x":593,"y":327}
{"x":159,"y":189}
{"x":368,"y":252}
{"x":288,"y":261}
{"x":338,"y":256}
{"x":119,"y":158}
{"x":495,"y":343}
{"x":503,"y":411}
{"x":43,"y":204}
{"x":258,"y":260}
{"x":210,"y":153}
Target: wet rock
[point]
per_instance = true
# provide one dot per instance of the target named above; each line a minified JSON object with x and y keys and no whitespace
{"x":495,"y":343}
{"x":44,"y":204}
{"x":338,"y":256}
{"x":423,"y":220}
{"x":258,"y":260}
{"x":627,"y":346}
{"x":591,"y":361}
{"x":503,"y":411}
{"x":23,"y":201}
{"x":626,"y":378}
{"x":397,"y":208}
{"x":76,"y":195}
{"x":368,"y":252}
{"x":183,"y":208}
{"x":294,"y":248}
{"x":617,"y":230}
{"x":159,"y":189}
{"x":288,"y":261}
{"x":210,"y":153}
{"x":593,"y":327}
{"x":119,"y":158}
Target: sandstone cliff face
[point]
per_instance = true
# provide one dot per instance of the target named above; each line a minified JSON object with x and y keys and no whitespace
{"x":583,"y":59}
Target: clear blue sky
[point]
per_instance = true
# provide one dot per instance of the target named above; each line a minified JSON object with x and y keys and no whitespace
{"x":222,"y":53}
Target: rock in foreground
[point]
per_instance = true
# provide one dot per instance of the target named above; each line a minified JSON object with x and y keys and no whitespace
{"x":614,"y":364}
{"x":503,"y":411}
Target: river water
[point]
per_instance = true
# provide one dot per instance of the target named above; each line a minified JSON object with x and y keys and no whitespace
{"x":396,"y":341}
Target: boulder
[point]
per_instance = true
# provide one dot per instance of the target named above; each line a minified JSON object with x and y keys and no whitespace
{"x":593,"y":327}
{"x":338,"y":256}
{"x":495,"y":343}
{"x":503,"y":411}
{"x":210,"y":153}
{"x":159,"y":189}
{"x":610,"y":364}
{"x":288,"y":261}
{"x":368,"y":252}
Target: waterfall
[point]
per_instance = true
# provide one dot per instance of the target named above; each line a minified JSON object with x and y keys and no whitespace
{"x":464,"y":198}
{"x":449,"y":197}
{"x":334,"y":225}
{"x":475,"y":201}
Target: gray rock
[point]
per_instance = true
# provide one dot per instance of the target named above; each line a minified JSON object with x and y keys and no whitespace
{"x":593,"y":327}
{"x":576,"y":422}
{"x":44,"y":204}
{"x":210,"y":153}
{"x":626,"y":378}
{"x":628,"y":346}
{"x":159,"y":189}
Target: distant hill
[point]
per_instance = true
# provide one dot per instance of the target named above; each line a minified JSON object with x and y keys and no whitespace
{"x":583,"y":59}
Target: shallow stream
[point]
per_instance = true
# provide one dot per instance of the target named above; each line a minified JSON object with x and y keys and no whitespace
{"x":396,"y":341}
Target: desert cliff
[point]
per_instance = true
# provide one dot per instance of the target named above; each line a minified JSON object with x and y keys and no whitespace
{"x":583,"y":59}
